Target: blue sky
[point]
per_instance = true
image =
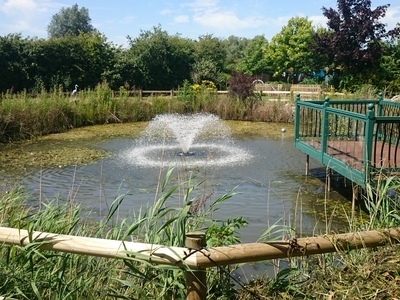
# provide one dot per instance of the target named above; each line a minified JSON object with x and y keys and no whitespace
{"x":190,"y":18}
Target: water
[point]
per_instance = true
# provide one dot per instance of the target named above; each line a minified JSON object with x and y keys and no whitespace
{"x":265,"y":193}
{"x":262,"y":171}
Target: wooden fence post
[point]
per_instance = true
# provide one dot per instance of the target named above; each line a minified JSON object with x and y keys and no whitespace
{"x":196,"y":284}
{"x":328,"y":179}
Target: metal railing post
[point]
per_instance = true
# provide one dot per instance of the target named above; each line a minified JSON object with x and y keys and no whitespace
{"x":325,"y":129}
{"x":380,"y":99}
{"x":379,"y":114}
{"x":297,"y":118}
{"x":369,"y":135}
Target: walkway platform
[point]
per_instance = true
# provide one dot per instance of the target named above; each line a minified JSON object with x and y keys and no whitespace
{"x":357,"y":139}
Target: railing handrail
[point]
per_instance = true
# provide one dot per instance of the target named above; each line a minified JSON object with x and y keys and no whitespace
{"x":320,"y":102}
{"x":346,"y":113}
{"x":385,"y":119}
{"x":312,"y":104}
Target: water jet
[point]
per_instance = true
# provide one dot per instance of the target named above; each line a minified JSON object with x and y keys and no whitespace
{"x":193,"y":140}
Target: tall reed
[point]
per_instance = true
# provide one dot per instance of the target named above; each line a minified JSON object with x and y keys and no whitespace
{"x":382,"y":202}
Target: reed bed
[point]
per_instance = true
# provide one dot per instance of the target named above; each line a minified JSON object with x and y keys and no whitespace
{"x":24,"y":116}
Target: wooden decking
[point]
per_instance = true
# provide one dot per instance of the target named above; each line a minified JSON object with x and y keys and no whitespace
{"x":352,"y":152}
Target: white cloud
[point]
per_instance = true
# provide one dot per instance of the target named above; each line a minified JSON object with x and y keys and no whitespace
{"x":166,"y":12}
{"x":203,"y":5}
{"x":209,"y":14}
{"x":27,"y":15}
{"x":392,"y":17}
{"x":120,"y":40}
{"x":12,"y":7}
{"x":181,"y":19}
{"x":319,"y":21}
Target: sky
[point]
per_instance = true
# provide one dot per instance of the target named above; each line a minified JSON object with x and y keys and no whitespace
{"x":117,"y":19}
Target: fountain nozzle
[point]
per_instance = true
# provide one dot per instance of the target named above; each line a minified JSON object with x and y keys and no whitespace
{"x":188,"y":153}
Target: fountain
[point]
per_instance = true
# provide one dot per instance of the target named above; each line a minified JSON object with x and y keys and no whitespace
{"x":193,"y":140}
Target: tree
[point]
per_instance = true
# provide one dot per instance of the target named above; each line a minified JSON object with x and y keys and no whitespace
{"x":158,"y":60}
{"x":254,"y":61}
{"x":70,"y":21}
{"x":14,"y":64}
{"x":241,"y":85}
{"x":204,"y":69}
{"x":211,"y":48}
{"x":235,"y":47}
{"x":289,"y":50}
{"x":84,"y":60}
{"x":389,"y":77}
{"x":353,"y":41}
{"x":210,"y":53}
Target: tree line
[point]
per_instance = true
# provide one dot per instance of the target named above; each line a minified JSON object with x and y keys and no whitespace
{"x":354,"y":49}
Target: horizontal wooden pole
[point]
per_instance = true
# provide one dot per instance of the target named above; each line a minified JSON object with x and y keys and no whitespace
{"x":203,"y":258}
{"x":93,"y":246}
{"x":158,"y":91}
{"x":296,"y":247}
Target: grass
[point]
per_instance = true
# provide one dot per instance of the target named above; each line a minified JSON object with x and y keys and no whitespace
{"x":361,"y":274}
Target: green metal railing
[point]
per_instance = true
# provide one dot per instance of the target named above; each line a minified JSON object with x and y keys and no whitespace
{"x":357,"y":139}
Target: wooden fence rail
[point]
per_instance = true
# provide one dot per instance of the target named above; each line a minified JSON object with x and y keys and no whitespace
{"x":196,"y":257}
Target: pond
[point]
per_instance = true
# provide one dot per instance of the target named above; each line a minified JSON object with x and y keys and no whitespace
{"x":256,"y":160}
